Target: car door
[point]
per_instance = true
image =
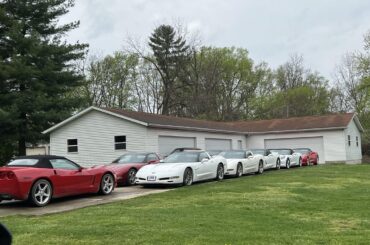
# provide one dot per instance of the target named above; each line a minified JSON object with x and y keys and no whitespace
{"x":250,"y":162}
{"x":206,"y":166}
{"x":270,"y":159}
{"x":70,"y":178}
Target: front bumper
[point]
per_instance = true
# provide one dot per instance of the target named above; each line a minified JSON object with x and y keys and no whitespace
{"x":158,"y":181}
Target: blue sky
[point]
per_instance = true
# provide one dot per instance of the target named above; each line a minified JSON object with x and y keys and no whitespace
{"x":272,"y":30}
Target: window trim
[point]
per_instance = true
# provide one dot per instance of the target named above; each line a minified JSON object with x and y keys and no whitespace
{"x":349,"y":140}
{"x":357,"y":141}
{"x":124,"y":143}
{"x":71,"y":145}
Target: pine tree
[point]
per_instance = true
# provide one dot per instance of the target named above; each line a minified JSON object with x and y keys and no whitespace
{"x":171,"y":52}
{"x":36,"y":69}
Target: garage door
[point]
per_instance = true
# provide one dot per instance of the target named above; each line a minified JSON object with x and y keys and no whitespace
{"x":167,"y":144}
{"x":315,"y":143}
{"x":218,"y":144}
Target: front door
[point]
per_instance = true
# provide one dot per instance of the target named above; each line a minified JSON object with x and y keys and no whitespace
{"x":69,"y":178}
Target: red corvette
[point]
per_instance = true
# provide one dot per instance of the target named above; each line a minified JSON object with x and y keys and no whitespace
{"x":127,"y":165}
{"x":308,"y":156}
{"x":41,"y":178}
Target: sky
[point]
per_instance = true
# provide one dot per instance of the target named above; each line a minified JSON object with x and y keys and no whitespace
{"x":271,"y":30}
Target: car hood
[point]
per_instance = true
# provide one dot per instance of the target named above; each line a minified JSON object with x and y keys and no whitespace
{"x":162,"y":168}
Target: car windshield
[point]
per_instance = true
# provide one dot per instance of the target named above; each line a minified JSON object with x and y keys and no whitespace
{"x":233,"y":154}
{"x":130,"y":158}
{"x":257,"y":151}
{"x":282,"y":151}
{"x":184,"y":156}
{"x":23,"y":162}
{"x":302,"y":151}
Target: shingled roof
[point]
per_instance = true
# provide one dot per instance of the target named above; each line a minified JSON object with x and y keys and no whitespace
{"x":333,"y":121}
{"x":162,"y":121}
{"x":308,"y":123}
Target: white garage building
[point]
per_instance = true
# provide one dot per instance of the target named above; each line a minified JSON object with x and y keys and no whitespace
{"x":97,"y":135}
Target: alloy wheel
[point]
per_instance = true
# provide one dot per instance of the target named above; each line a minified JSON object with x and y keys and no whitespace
{"x":41,"y":193}
{"x":107,"y":184}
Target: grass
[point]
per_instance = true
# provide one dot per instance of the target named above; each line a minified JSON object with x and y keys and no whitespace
{"x":312,"y":205}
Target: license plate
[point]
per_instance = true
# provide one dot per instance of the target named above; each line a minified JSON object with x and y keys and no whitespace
{"x":151,"y":178}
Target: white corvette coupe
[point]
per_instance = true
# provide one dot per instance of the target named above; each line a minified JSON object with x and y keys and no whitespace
{"x":183,"y":167}
{"x":271,"y":159}
{"x":288,"y":157}
{"x":241,"y":162}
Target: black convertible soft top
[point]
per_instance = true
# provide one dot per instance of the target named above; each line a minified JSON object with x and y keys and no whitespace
{"x":43,"y":161}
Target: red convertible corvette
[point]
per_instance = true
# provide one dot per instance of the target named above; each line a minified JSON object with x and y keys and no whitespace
{"x":41,"y":178}
{"x":127,"y":165}
{"x":308,"y":156}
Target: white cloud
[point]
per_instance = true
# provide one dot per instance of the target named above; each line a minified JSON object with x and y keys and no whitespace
{"x":271,"y":30}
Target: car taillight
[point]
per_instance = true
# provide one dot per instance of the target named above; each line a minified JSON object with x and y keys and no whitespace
{"x":2,"y":175}
{"x":11,"y":175}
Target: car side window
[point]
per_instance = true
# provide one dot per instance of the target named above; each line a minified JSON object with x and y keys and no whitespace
{"x":152,"y":157}
{"x":249,"y":154}
{"x":63,"y":164}
{"x":203,"y":155}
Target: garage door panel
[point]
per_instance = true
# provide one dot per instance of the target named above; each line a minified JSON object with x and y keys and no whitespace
{"x":167,"y":144}
{"x":315,"y":143}
{"x":218,"y":144}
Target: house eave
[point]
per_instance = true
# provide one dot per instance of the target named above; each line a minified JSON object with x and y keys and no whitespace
{"x":297,"y":130}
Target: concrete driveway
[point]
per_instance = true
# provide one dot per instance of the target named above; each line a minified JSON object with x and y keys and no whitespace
{"x":8,"y":208}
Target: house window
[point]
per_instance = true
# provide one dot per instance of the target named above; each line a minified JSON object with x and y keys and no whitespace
{"x":120,"y":142}
{"x":349,"y":140}
{"x":357,"y":141}
{"x":72,"y":145}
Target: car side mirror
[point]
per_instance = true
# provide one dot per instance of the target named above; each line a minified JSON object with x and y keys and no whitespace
{"x":205,"y":160}
{"x":5,"y":236}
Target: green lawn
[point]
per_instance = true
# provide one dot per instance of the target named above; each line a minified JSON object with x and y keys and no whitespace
{"x":311,"y":205}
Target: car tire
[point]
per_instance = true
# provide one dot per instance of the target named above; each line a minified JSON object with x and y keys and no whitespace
{"x":106,"y":184}
{"x":287,"y":164}
{"x":317,"y":160}
{"x":260,"y":168}
{"x":239,"y":170}
{"x":41,"y":193}
{"x":188,"y":177}
{"x":278,"y":164}
{"x":131,"y":177}
{"x":220,"y":172}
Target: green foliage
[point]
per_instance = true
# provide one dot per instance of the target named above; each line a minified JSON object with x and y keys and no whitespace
{"x":110,"y":81}
{"x":312,"y":205}
{"x":171,"y":54}
{"x":36,"y":69}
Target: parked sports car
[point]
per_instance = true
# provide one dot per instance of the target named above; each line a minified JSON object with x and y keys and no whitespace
{"x":183,"y":167}
{"x":41,"y":178}
{"x":271,"y":160}
{"x":127,"y":165}
{"x":288,"y":157}
{"x":308,"y":156}
{"x":240,"y":162}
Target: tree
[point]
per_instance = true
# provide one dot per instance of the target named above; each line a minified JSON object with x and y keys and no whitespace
{"x":170,"y":56}
{"x":109,"y":81}
{"x":36,"y":67}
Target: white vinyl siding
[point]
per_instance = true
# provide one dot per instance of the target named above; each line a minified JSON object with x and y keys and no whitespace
{"x":95,"y":132}
{"x":200,"y":137}
{"x":167,"y":144}
{"x":218,"y":144}
{"x":315,"y":143}
{"x":353,"y":152}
